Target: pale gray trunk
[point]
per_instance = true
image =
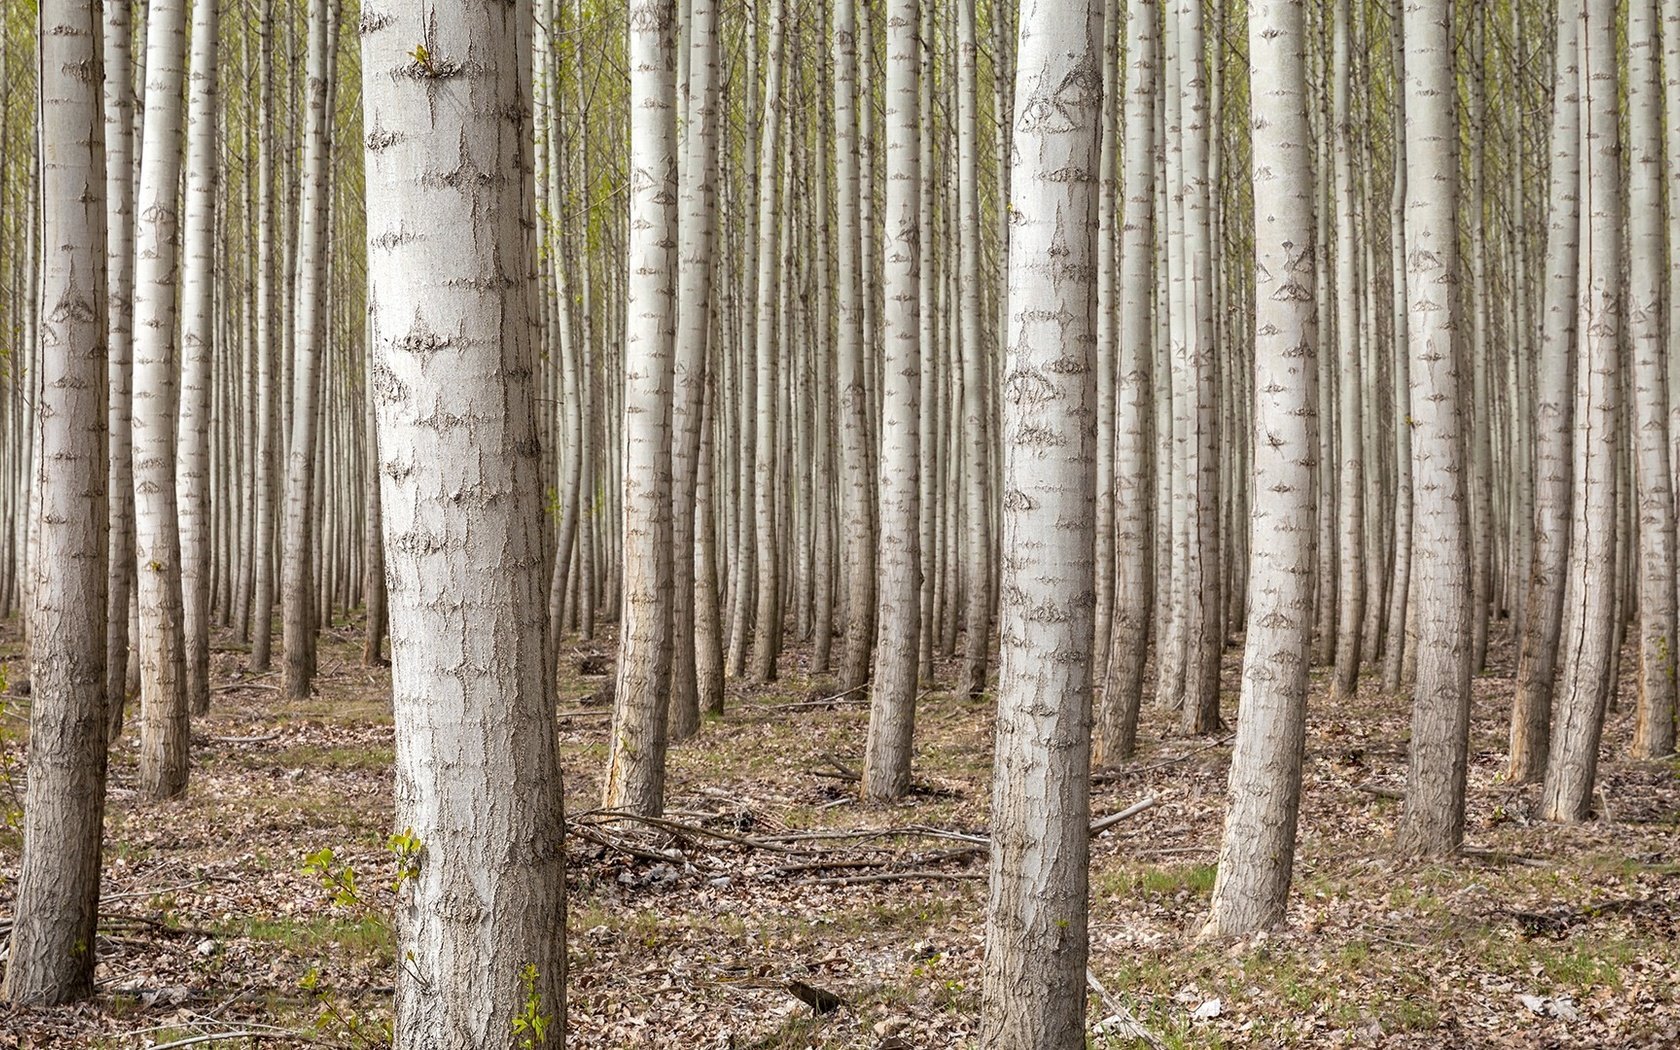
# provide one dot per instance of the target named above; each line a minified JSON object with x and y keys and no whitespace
{"x":892,"y":709}
{"x":975,"y":345}
{"x":198,"y":321}
{"x":1653,"y":735}
{"x":859,"y":502}
{"x":478,"y":780}
{"x":1258,"y":854}
{"x":1554,"y":413}
{"x":163,"y":695}
{"x":119,"y":256}
{"x":1122,"y":694}
{"x":767,"y":559}
{"x":1033,"y":976}
{"x":298,"y":612}
{"x":1350,"y":561}
{"x":1589,"y":616}
{"x":696,"y":226}
{"x":1433,"y":820}
{"x":55,"y":912}
{"x":635,"y":778}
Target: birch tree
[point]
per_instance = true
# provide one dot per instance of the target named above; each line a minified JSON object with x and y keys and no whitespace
{"x":1257,"y":858}
{"x":478,"y":780}
{"x":119,"y":259}
{"x":55,"y":913}
{"x":1033,"y":975}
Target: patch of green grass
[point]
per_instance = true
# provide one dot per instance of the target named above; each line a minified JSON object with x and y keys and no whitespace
{"x":315,"y":935}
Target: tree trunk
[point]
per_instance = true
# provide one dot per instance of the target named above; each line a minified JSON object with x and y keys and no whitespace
{"x":298,"y":612}
{"x":1653,"y":734}
{"x":1350,"y":560}
{"x":1122,"y":694}
{"x":119,"y":256}
{"x":198,"y":280}
{"x":859,"y":503}
{"x":975,"y":344}
{"x":1033,"y":990}
{"x":892,"y":709}
{"x":635,"y":778}
{"x":55,"y":912}
{"x":1433,"y":820}
{"x":1257,"y":858}
{"x":696,"y":226}
{"x":1531,"y":712}
{"x":478,"y":779}
{"x":1590,"y":609}
{"x":163,"y":695}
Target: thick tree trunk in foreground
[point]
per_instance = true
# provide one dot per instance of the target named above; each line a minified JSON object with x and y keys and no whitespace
{"x":1258,"y":855}
{"x":163,"y":686}
{"x":1033,"y":995}
{"x":56,"y":910}
{"x":478,"y":779}
{"x":635,"y":777}
{"x":1433,"y":820}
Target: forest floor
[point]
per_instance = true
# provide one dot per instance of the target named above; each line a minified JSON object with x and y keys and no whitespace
{"x":690,"y":935}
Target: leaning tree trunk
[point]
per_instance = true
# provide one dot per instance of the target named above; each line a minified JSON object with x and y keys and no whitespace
{"x":1653,"y":732}
{"x":198,"y":280}
{"x":635,"y":777}
{"x":1033,"y":991}
{"x":892,"y":708}
{"x":478,"y":778}
{"x":1554,"y":409}
{"x":56,"y":909}
{"x":1433,"y":821}
{"x":1258,"y":855}
{"x":1590,"y":610}
{"x":163,"y":696}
